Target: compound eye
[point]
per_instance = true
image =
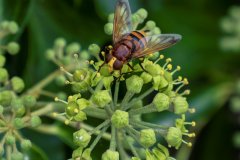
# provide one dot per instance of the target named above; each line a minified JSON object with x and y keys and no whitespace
{"x":117,"y":65}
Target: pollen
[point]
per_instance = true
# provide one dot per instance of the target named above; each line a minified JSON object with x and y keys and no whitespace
{"x":91,"y":62}
{"x":169,"y":67}
{"x":185,"y":81}
{"x":191,"y":110}
{"x":161,"y":56}
{"x":103,"y":53}
{"x":76,"y":110}
{"x":193,"y":123}
{"x":66,"y":122}
{"x":56,"y":99}
{"x":168,"y":60}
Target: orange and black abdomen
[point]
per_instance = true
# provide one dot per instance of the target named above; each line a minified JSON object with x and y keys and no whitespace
{"x":128,"y":45}
{"x":137,"y":40}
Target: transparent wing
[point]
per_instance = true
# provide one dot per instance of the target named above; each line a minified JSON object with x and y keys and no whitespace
{"x":157,"y":43}
{"x":122,"y":20}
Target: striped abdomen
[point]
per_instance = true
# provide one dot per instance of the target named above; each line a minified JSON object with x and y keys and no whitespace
{"x":129,"y":44}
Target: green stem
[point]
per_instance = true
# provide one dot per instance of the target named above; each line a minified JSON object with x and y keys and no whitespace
{"x":126,"y":98}
{"x":35,"y":90}
{"x":143,"y":110}
{"x":142,"y":124}
{"x":96,"y":112}
{"x":99,"y":86}
{"x":113,"y":138}
{"x":100,"y":135}
{"x":100,"y":126}
{"x":108,"y":110}
{"x":132,"y":102}
{"x":45,"y":110}
{"x":112,"y":103}
{"x":8,"y":152}
{"x":116,"y":90}
{"x":72,"y":124}
{"x":131,"y":147}
{"x":123,"y":154}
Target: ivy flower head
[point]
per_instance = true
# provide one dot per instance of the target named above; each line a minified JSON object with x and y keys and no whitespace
{"x":97,"y":95}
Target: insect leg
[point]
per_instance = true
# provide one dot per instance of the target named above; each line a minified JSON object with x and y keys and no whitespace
{"x":99,"y":69}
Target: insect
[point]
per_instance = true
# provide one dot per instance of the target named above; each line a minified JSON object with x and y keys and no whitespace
{"x":129,"y":44}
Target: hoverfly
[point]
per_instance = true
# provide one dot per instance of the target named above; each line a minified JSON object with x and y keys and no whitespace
{"x":129,"y":44}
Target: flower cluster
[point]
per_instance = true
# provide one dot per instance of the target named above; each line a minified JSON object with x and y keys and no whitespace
{"x":14,"y":108}
{"x":97,"y":95}
{"x":230,"y":25}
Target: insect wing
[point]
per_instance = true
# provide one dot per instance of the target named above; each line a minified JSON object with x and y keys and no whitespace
{"x":122,"y":20}
{"x":157,"y":43}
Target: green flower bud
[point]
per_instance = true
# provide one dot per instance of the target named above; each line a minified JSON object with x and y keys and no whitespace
{"x":18,"y":123}
{"x":174,"y":137}
{"x":235,"y":104}
{"x":10,"y":139}
{"x":3,"y":75}
{"x":107,"y":81}
{"x":67,"y":60}
{"x":29,"y":101}
{"x":17,"y":84}
{"x":17,"y":156}
{"x":13,"y":48}
{"x":35,"y":121}
{"x":81,"y":138}
{"x":108,"y":28}
{"x":60,"y":42}
{"x":110,"y":155}
{"x":6,"y":98}
{"x":73,"y":48}
{"x":4,"y":25}
{"x":101,"y":98}
{"x":1,"y":109}
{"x":146,"y":77}
{"x":134,"y":84}
{"x":84,"y":55}
{"x":142,"y":13}
{"x":104,"y":71}
{"x":79,"y":75}
{"x":94,"y":49}
{"x":87,"y":154}
{"x":180,"y":105}
{"x":60,"y":80}
{"x":62,"y":95}
{"x":120,"y":119}
{"x":83,"y":103}
{"x":169,"y":88}
{"x":72,"y":109}
{"x":26,"y":144}
{"x":77,"y":153}
{"x":147,"y":137}
{"x":80,"y":116}
{"x":50,"y":54}
{"x":161,"y":102}
{"x":2,"y":60}
{"x":16,"y":103}
{"x":156,"y":30}
{"x":12,"y":27}
{"x":20,"y":111}
{"x":150,"y":25}
{"x":111,"y":17}
{"x":153,"y":69}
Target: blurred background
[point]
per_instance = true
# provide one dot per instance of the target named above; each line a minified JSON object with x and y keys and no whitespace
{"x":209,"y":55}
